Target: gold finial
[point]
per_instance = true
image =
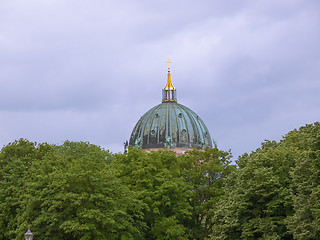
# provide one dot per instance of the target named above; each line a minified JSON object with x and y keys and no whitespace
{"x":169,"y":85}
{"x":168,"y":65}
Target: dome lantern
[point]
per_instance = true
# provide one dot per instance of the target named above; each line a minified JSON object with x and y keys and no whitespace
{"x":169,"y":91}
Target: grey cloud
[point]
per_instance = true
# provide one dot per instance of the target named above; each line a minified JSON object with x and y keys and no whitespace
{"x":88,"y":71}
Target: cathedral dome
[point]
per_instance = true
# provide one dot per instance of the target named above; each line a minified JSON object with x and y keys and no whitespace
{"x":170,"y":124}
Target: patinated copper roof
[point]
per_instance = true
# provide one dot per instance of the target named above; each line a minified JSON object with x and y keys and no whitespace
{"x":170,"y":124}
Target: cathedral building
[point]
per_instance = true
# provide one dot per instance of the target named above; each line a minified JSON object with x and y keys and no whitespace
{"x":170,"y":125}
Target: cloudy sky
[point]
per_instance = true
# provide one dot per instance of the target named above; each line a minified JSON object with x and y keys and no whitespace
{"x":85,"y":70}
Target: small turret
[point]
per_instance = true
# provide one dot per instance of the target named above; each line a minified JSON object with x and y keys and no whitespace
{"x":169,"y":91}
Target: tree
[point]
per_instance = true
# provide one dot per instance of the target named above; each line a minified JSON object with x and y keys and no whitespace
{"x":15,"y":161}
{"x":304,"y":223}
{"x":179,"y":192}
{"x":155,"y":178}
{"x":259,"y":201}
{"x":274,"y":193}
{"x":205,"y":173}
{"x":69,"y":192}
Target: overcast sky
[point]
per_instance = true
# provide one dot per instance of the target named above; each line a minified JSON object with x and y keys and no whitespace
{"x":88,"y":70}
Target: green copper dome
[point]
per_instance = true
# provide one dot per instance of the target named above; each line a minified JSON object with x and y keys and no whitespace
{"x":170,"y":124}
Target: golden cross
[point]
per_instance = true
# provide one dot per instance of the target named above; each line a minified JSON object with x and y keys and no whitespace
{"x":168,"y":63}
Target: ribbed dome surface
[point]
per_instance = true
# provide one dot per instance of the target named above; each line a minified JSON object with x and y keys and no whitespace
{"x":170,"y":124}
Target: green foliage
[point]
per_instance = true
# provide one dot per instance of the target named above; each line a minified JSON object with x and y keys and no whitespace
{"x":15,"y":161}
{"x":155,"y":178}
{"x":179,"y":192}
{"x":68,"y":192}
{"x":79,"y":191}
{"x":205,"y":173}
{"x":305,"y":222}
{"x":274,"y":194}
{"x":257,"y":204}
